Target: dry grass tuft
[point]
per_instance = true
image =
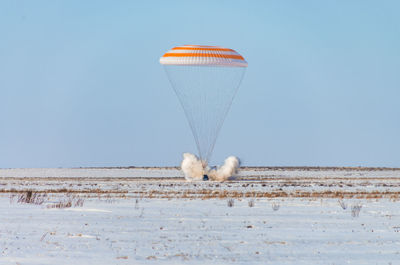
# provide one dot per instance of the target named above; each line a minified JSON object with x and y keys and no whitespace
{"x":251,"y":203}
{"x":355,"y":210}
{"x":276,"y":206}
{"x":342,"y":204}
{"x":71,"y":201}
{"x":29,"y":197}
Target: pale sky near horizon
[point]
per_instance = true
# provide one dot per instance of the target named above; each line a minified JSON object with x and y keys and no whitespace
{"x":81,"y":85}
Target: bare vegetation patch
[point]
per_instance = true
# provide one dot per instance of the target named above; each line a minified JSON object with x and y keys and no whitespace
{"x":341,"y":186}
{"x":70,"y":201}
{"x":181,"y":192}
{"x":29,"y":197}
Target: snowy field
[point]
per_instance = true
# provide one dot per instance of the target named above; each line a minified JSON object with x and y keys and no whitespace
{"x":151,"y":216}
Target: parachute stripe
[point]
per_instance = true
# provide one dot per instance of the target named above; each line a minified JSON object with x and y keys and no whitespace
{"x":203,"y":51}
{"x":216,"y":55}
{"x":202,"y":61}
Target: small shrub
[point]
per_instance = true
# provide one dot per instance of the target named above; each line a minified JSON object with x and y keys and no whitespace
{"x":31,"y":197}
{"x":275,"y":206}
{"x":141,"y":213}
{"x":60,"y":205}
{"x":12,"y":197}
{"x":106,"y":198}
{"x":251,"y":203}
{"x":231,"y":202}
{"x":342,"y":204}
{"x":70,"y":202}
{"x":79,"y":202}
{"x":355,"y":210}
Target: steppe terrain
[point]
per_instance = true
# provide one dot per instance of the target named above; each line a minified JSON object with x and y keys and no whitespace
{"x":152,"y":215}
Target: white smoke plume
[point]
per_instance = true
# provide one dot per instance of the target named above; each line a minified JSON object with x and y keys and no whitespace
{"x":226,"y":171}
{"x":194,"y":168}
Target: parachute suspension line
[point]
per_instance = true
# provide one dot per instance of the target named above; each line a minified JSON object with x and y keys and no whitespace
{"x":181,"y":97}
{"x":206,"y":94}
{"x":223,"y":117}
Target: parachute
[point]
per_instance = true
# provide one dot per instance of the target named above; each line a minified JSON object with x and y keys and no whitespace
{"x":205,"y":80}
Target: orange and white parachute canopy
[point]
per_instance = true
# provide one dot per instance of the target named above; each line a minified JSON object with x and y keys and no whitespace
{"x":203,"y":55}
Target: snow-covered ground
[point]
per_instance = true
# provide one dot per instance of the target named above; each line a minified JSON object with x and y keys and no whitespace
{"x":124,"y":220}
{"x":176,"y":173}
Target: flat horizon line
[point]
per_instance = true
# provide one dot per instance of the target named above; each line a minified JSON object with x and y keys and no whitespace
{"x":255,"y":168}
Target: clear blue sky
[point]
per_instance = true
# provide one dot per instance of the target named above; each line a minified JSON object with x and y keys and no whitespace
{"x":80,"y":82}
